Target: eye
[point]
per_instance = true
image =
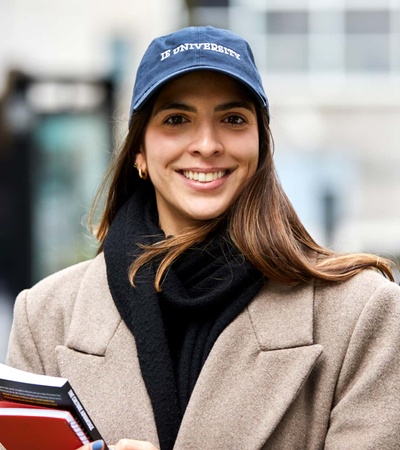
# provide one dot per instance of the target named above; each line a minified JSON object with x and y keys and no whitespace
{"x":235,"y":119}
{"x":175,"y":119}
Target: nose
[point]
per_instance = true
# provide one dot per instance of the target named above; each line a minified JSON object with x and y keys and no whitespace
{"x":206,"y":140}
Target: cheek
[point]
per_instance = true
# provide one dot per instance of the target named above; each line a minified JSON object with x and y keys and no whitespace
{"x":151,"y":148}
{"x":160,"y":148}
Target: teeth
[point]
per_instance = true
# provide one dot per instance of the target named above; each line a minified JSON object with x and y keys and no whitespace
{"x":204,"y":177}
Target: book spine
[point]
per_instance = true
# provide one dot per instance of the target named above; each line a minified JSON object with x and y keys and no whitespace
{"x":81,"y":411}
{"x":88,"y":426}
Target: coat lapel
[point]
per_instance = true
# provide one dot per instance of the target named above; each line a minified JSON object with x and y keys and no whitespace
{"x":254,"y":373}
{"x":100,"y":359}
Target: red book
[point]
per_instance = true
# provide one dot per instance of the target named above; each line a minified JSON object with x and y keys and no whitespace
{"x":40,"y":412}
{"x":39,"y":429}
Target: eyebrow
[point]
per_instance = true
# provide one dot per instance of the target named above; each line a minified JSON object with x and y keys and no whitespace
{"x":235,"y":104}
{"x":174,"y":105}
{"x":223,"y":107}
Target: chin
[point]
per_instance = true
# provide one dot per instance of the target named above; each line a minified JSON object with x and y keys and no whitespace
{"x":207,"y":216}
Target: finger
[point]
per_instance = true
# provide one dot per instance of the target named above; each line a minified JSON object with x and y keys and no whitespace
{"x":97,"y":445}
{"x":131,"y":444}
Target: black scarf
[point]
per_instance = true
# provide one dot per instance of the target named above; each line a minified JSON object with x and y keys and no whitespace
{"x":204,"y":290}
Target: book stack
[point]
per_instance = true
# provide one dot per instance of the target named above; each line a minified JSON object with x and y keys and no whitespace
{"x":40,"y":412}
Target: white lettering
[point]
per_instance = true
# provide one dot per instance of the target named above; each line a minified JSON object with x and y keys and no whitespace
{"x":79,"y":407}
{"x":165,"y":55}
{"x":203,"y":45}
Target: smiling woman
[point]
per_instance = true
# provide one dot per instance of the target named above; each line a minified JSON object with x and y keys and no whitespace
{"x":210,"y":318}
{"x":200,"y":148}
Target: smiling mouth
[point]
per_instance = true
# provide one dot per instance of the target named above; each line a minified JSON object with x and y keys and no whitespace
{"x":203,"y":177}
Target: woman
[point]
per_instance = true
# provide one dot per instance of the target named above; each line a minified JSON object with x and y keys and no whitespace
{"x":210,"y":318}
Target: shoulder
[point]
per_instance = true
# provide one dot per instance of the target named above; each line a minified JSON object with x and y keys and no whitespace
{"x":352,"y":294}
{"x":322,"y":313}
{"x":71,"y":275}
{"x":43,"y":314}
{"x":350,"y":311}
{"x":54,"y":297}
{"x":65,"y":283}
{"x":358,"y":291}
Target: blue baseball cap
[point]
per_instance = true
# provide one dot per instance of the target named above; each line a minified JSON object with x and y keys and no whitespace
{"x":196,"y":48}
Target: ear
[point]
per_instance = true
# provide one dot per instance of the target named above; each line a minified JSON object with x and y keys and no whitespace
{"x":140,"y":160}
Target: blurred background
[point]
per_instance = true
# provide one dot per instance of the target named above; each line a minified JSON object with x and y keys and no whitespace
{"x":331,"y":69}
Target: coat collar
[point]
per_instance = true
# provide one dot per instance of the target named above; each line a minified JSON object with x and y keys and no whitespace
{"x":283,"y":316}
{"x":251,"y":377}
{"x":90,"y":332}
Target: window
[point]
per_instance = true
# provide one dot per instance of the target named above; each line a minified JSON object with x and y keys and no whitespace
{"x":367,"y":52}
{"x":367,"y":22}
{"x":287,"y":22}
{"x":287,"y":44}
{"x":330,"y":39}
{"x":367,"y":40}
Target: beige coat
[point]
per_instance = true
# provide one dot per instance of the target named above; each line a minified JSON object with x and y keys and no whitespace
{"x":300,"y":368}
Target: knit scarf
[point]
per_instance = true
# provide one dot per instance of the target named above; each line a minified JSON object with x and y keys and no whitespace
{"x":204,"y":290}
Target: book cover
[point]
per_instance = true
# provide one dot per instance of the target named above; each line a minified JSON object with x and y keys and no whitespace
{"x":42,"y":392}
{"x":39,"y":429}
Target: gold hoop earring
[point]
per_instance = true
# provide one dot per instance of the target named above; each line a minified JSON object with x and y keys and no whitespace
{"x":143,"y":175}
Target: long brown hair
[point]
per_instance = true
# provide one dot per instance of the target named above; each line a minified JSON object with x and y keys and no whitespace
{"x":262,"y":222}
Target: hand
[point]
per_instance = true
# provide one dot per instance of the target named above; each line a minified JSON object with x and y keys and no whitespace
{"x":122,"y":444}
